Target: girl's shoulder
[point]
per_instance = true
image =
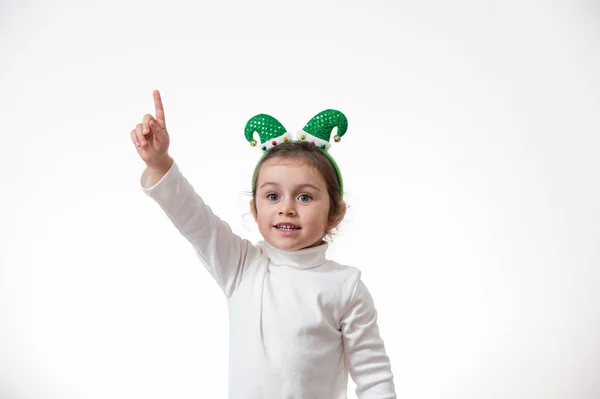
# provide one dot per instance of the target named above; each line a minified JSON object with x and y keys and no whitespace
{"x":341,"y":268}
{"x":340,"y":284}
{"x":344,"y":274}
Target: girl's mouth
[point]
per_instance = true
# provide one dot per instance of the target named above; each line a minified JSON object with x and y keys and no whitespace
{"x":287,"y":227}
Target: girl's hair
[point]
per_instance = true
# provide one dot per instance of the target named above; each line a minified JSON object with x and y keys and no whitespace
{"x":304,"y":151}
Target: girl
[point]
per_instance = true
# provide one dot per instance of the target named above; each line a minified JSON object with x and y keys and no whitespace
{"x":298,"y":322}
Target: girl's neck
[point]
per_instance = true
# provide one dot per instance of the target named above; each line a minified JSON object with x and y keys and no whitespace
{"x":306,"y":258}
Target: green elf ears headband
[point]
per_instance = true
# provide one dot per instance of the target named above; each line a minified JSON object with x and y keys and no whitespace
{"x":317,"y":131}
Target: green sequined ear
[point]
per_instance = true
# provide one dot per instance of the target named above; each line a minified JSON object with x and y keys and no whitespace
{"x":320,"y":127}
{"x":270,"y":131}
{"x":318,"y":132}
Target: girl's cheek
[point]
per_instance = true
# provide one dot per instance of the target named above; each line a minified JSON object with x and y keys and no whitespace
{"x":266,"y":206}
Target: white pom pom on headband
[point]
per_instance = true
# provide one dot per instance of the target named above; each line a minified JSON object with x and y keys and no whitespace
{"x":317,"y":131}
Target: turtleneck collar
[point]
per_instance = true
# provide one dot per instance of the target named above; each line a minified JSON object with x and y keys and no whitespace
{"x":307,"y":258}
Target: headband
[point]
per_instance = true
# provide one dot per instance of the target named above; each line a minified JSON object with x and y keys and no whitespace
{"x":317,"y":132}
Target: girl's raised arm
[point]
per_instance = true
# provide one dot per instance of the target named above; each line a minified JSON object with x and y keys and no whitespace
{"x":225,"y":255}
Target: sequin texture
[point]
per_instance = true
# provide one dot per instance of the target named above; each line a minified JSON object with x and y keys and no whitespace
{"x":267,"y":127}
{"x":323,"y":123}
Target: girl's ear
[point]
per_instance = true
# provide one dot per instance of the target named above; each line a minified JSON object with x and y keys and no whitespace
{"x":253,"y":210}
{"x":336,"y":219}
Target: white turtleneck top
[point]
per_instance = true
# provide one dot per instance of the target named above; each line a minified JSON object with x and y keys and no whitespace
{"x":298,"y":323}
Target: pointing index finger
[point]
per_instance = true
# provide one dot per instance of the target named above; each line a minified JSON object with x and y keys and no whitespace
{"x":159,"y":110}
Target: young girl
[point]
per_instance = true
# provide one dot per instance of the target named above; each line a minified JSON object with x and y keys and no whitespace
{"x":298,"y":322}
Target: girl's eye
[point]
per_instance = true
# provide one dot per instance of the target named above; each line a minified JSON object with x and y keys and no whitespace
{"x":272,"y":197}
{"x":304,"y":198}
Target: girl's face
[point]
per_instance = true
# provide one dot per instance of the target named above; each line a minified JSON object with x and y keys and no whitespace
{"x":292,"y":204}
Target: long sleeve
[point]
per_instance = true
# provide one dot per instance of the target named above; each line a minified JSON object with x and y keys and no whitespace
{"x":368,"y":363}
{"x":222,"y":252}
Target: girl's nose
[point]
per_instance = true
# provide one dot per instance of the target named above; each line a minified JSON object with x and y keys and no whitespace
{"x":287,"y":208}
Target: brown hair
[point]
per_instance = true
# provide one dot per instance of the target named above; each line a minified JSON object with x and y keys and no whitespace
{"x":306,"y":152}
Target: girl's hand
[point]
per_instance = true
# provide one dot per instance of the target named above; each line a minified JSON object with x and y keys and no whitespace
{"x":151,"y":138}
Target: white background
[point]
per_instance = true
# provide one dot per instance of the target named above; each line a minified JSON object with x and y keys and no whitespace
{"x":471,"y":168}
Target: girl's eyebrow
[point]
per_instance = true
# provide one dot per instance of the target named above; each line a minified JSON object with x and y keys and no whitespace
{"x":297,"y":187}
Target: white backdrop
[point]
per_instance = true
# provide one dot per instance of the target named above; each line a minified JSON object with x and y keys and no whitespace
{"x":471,"y":168}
